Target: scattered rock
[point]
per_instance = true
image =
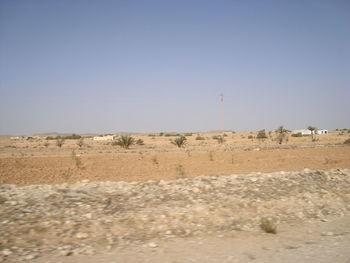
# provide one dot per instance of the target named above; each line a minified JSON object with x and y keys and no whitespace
{"x":88,"y":215}
{"x":327,"y":234}
{"x":152,"y":245}
{"x":291,"y":247}
{"x":6,"y":252}
{"x":66,"y":253}
{"x":81,"y":235}
{"x":73,"y":218}
{"x":31,"y":256}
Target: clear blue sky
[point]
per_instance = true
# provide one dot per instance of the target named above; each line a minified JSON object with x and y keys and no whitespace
{"x":150,"y":66}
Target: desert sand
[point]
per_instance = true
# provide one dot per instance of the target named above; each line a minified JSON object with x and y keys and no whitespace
{"x":204,"y":202}
{"x":26,"y":162}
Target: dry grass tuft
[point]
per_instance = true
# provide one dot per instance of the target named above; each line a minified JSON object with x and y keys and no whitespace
{"x":180,"y":170}
{"x":155,"y":160}
{"x":211,"y":158}
{"x":77,"y":160}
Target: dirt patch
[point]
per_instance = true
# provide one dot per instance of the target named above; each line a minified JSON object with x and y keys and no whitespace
{"x":166,"y":166}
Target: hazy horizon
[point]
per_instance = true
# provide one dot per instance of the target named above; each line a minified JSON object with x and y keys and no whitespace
{"x":160,"y":66}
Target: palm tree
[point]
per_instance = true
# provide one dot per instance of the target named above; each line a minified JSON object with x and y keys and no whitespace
{"x":125,"y":142}
{"x":313,"y":132}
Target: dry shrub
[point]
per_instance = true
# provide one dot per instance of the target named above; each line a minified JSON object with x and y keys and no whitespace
{"x":155,"y":160}
{"x":180,"y":170}
{"x":211,"y":158}
{"x":77,"y":160}
{"x":59,"y":142}
{"x":268,"y":225}
{"x":80,"y":143}
{"x":140,"y":142}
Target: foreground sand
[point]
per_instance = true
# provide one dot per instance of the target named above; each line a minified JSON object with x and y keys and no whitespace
{"x":312,"y":241}
{"x":94,"y":218}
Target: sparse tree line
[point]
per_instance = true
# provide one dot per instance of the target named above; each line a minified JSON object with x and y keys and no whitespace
{"x":280,"y":135}
{"x":69,"y":137}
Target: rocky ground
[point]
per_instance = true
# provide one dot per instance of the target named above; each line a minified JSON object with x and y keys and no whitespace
{"x":87,"y":217}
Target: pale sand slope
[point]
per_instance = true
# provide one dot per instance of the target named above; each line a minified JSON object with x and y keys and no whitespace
{"x":206,"y":219}
{"x":313,"y":241}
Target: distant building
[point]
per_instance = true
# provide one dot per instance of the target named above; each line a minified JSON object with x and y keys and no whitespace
{"x":16,"y":138}
{"x":306,"y":132}
{"x":104,"y":138}
{"x":322,"y":131}
{"x":303,"y":132}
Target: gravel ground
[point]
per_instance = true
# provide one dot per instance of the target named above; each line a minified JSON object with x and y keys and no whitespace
{"x":87,"y":218}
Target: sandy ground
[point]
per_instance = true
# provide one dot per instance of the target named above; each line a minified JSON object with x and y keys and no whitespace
{"x":26,"y":162}
{"x":166,"y":166}
{"x":38,"y":161}
{"x":312,"y":241}
{"x":40,"y":147}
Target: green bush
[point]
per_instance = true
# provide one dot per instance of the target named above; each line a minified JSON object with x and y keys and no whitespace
{"x":299,"y":134}
{"x":250,"y":137}
{"x":171,"y":134}
{"x":69,"y":137}
{"x":200,"y":138}
{"x":72,"y":137}
{"x":220,"y":139}
{"x":188,"y":134}
{"x":180,"y":141}
{"x":261,"y":135}
{"x":124,"y":142}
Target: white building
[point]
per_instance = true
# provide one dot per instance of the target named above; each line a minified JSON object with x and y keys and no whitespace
{"x":306,"y":132}
{"x":16,"y":138}
{"x":104,"y":138}
{"x":303,"y":132}
{"x":322,"y":131}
